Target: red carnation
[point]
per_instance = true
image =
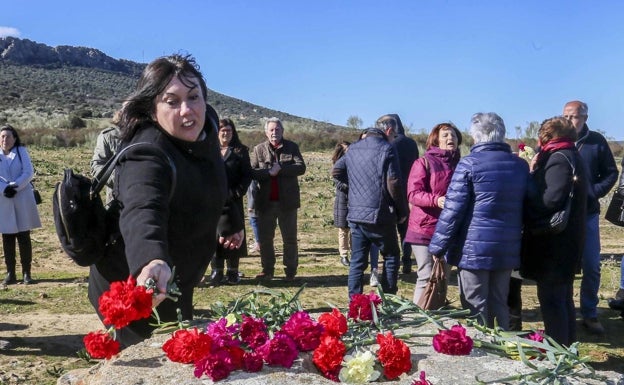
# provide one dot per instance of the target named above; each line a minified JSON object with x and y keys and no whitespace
{"x":454,"y":342}
{"x":328,"y":356}
{"x":521,"y":146}
{"x":335,"y":323}
{"x":125,"y":302}
{"x":100,"y":345}
{"x":394,"y":355}
{"x":360,"y":307}
{"x":187,"y":346}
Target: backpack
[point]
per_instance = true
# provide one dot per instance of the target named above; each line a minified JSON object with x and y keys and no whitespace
{"x":86,"y":229}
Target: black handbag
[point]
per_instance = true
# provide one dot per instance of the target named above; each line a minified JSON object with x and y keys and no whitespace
{"x":558,"y":221}
{"x":615,"y":211}
{"x":36,"y":194}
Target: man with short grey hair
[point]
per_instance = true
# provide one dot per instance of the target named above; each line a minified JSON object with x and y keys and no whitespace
{"x":276,"y":164}
{"x":602,"y":173}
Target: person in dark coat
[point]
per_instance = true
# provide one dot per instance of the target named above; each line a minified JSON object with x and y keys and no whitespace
{"x":551,"y":259}
{"x":173,"y":207}
{"x":407,"y":150}
{"x":341,"y":209}
{"x":377,"y":202}
{"x":238,"y":170}
{"x":480,"y":227}
{"x":602,"y":173}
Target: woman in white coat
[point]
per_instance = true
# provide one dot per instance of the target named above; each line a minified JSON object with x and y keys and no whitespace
{"x":18,"y":208}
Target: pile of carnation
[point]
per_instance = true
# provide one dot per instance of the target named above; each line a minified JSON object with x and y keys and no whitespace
{"x":340,"y":351}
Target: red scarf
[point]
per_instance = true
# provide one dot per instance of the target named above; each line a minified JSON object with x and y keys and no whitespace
{"x":555,"y":145}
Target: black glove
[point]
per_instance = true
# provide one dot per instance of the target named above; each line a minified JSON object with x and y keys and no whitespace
{"x":9,"y":191}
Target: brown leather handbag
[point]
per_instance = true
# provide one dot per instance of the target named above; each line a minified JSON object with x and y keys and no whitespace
{"x":434,"y":295}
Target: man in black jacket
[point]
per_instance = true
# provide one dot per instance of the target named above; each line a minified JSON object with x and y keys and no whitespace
{"x":377,"y":202}
{"x":407,"y":150}
{"x":602,"y":173}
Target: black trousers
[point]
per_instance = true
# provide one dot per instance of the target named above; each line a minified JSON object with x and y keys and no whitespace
{"x":558,"y":312}
{"x":25,"y":247}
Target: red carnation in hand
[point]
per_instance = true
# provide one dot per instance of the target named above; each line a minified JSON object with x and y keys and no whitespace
{"x":187,"y":346}
{"x":100,"y":345}
{"x":454,"y":342}
{"x":125,"y":302}
{"x":394,"y":355}
{"x":360,"y":307}
{"x":521,"y":146}
{"x":328,"y":356}
{"x":335,"y":323}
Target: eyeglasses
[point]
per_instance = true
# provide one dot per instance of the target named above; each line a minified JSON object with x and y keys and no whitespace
{"x":387,"y":123}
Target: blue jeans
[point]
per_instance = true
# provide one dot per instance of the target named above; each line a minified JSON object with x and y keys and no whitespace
{"x":374,"y":256}
{"x":590,"y":282}
{"x":253,"y":223}
{"x":385,"y":238}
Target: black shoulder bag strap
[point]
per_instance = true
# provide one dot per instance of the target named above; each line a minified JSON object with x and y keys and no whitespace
{"x":571,"y":163}
{"x":99,"y":181}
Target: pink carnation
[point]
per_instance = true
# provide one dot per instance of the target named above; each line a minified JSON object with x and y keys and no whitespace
{"x":303,"y":330}
{"x":454,"y":342}
{"x":253,"y":331}
{"x":221,"y":334}
{"x":281,"y":350}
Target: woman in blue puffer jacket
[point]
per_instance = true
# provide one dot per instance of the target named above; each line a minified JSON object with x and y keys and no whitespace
{"x":480,"y":227}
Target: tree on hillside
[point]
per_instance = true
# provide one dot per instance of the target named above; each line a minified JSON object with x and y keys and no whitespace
{"x":530,"y":131}
{"x":354,"y":122}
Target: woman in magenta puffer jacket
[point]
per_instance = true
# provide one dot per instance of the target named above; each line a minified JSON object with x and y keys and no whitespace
{"x":426,"y":188}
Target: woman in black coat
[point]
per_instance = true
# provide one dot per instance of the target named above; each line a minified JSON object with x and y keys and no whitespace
{"x":551,"y":259}
{"x":172,"y":194}
{"x":341,"y":202}
{"x":238,"y":170}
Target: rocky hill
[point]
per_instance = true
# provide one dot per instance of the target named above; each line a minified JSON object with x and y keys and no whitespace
{"x":45,"y":87}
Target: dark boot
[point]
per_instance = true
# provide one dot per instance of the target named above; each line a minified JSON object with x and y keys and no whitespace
{"x":10,"y":278}
{"x":8,"y":245}
{"x":233,"y":277}
{"x":25,"y":248}
{"x":28,"y":279}
{"x":216,"y":278}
